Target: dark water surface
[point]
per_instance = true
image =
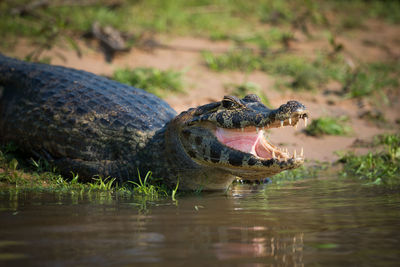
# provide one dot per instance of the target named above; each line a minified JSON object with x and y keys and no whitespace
{"x":324,"y":222}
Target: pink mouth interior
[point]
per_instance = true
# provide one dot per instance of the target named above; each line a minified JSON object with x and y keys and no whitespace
{"x":248,"y":141}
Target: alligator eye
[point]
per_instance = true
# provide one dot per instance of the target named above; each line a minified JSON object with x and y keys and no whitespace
{"x":231,"y":102}
{"x":228,"y":104}
{"x":252,"y":98}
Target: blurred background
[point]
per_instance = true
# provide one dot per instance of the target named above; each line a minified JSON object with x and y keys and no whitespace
{"x":340,"y":58}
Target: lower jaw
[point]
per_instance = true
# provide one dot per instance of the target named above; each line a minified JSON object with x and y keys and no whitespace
{"x":257,"y":175}
{"x":212,"y":181}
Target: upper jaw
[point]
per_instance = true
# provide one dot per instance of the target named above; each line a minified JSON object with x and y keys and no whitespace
{"x":275,"y":122}
{"x":260,"y":116}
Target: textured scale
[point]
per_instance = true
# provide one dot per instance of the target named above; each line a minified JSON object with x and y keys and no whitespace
{"x":74,"y":114}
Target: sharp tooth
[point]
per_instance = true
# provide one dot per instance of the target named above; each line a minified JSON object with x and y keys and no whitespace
{"x":242,"y":129}
{"x":301,"y":152}
{"x":273,"y":154}
{"x":281,"y":123}
{"x":305,"y":121}
{"x":257,"y":129}
{"x":294,"y":154}
{"x":290,"y":121}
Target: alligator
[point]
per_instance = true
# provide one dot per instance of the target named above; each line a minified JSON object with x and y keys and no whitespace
{"x":89,"y":125}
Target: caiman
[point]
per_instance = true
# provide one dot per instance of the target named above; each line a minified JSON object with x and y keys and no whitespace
{"x":90,"y":125}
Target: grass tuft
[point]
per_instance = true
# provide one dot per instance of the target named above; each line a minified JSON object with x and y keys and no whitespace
{"x":145,"y":188}
{"x":328,"y":126}
{"x":235,"y":59}
{"x":373,"y":78}
{"x":382,"y":167}
{"x":388,"y":10}
{"x":303,"y":73}
{"x":152,"y":80}
{"x":100,"y":183}
{"x":300,"y":173}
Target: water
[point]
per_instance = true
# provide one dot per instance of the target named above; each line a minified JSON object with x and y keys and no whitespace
{"x":319,"y":222}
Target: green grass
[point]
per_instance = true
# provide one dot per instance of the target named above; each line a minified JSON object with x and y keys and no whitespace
{"x":236,"y":59}
{"x":351,"y":22}
{"x":206,"y":18}
{"x":300,"y":173}
{"x":40,"y":175}
{"x":291,"y":12}
{"x":144,"y":187}
{"x":303,"y":73}
{"x":373,"y":78}
{"x":381,"y":9}
{"x":241,"y":90}
{"x":376,"y":168}
{"x":193,"y":17}
{"x":152,"y":80}
{"x":265,"y":40}
{"x":276,"y":12}
{"x":184,"y":17}
{"x":333,"y":67}
{"x":388,"y":10}
{"x":329,"y":126}
{"x":14,"y":177}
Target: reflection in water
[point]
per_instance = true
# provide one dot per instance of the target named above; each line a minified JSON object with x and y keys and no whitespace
{"x":286,"y":249}
{"x":317,"y":221}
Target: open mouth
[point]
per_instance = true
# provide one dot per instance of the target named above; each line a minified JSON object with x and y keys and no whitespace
{"x":253,"y":140}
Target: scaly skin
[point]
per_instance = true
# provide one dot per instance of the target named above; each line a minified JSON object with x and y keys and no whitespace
{"x":90,"y":125}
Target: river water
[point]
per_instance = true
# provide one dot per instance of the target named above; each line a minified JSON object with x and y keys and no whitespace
{"x":315,"y":222}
